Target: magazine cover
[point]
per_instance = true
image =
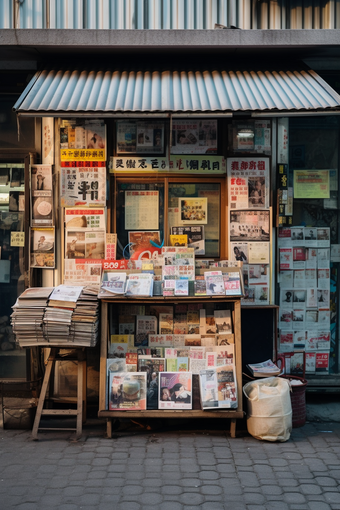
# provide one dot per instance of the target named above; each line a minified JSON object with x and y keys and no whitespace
{"x":215,"y":285}
{"x":226,"y":381}
{"x":140,"y":284}
{"x":152,"y":367}
{"x":218,"y":388}
{"x":127,"y":391}
{"x":42,"y":247}
{"x":175,"y":390}
{"x":114,"y":282}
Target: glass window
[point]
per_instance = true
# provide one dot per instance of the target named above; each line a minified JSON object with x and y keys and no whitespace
{"x":12,"y":358}
{"x":139,"y":218}
{"x":196,"y":205}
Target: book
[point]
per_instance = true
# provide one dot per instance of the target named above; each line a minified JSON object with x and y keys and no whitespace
{"x":131,"y":362}
{"x":160,"y":340}
{"x":126,"y":325}
{"x":264,"y":369}
{"x":127,"y":391}
{"x":177,"y":364}
{"x":145,"y":325}
{"x":200,"y":287}
{"x":218,"y":387}
{"x":223,"y":321}
{"x":166,"y":323}
{"x":119,"y":345}
{"x":175,"y":390}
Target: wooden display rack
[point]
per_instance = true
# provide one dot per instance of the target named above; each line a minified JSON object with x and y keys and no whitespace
{"x":232,"y":414}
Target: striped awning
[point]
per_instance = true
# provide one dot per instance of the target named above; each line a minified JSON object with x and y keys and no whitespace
{"x":71,"y":92}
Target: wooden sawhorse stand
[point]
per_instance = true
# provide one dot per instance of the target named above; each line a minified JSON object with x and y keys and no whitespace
{"x":81,"y":393}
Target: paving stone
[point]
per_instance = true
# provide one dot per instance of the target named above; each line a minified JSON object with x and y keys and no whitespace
{"x":170,"y":506}
{"x":191,"y":499}
{"x":294,"y":498}
{"x":151,"y":499}
{"x":331,"y":497}
{"x":310,"y":489}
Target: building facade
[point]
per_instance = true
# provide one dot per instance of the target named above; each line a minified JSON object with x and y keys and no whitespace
{"x":265,"y":74}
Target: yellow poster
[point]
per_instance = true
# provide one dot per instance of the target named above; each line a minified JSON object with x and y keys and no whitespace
{"x":17,"y":238}
{"x":82,"y":155}
{"x":311,"y":183}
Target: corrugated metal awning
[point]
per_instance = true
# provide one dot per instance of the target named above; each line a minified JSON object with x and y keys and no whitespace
{"x":71,"y":92}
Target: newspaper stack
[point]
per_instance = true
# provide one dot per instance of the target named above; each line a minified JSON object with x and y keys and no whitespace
{"x":85,"y":319}
{"x":27,"y":316}
{"x":64,"y":315}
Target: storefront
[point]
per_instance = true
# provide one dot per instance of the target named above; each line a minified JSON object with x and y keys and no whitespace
{"x":130,"y":157}
{"x":14,"y":158}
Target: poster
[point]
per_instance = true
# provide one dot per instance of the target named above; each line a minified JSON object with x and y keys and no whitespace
{"x":110,"y":246}
{"x":248,"y":183}
{"x":249,"y":252}
{"x":41,"y":195}
{"x":193,"y":211}
{"x":195,"y":237}
{"x":42,"y":248}
{"x":82,"y":218}
{"x":140,"y":246}
{"x":141,"y":210}
{"x":82,"y":142}
{"x":194,"y":136}
{"x":82,"y":271}
{"x":88,"y":244}
{"x":48,"y":140}
{"x":82,"y":186}
{"x":311,"y":184}
{"x":250,"y":225}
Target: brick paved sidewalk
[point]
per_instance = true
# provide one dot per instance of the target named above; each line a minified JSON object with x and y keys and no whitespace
{"x":170,"y":469}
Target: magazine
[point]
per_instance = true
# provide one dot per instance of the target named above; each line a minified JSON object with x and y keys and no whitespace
{"x":175,"y":390}
{"x":181,"y":287}
{"x":264,"y":369}
{"x":114,"y":282}
{"x":140,"y":284}
{"x":218,"y":387}
{"x":127,"y":391}
{"x":151,"y":366}
{"x":215,"y":285}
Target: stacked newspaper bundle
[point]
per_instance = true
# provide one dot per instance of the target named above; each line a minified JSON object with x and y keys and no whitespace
{"x":27,"y":316}
{"x":85,"y":319}
{"x":58,"y":314}
{"x":61,"y":316}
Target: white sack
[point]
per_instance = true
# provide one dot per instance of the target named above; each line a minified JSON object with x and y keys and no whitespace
{"x":269,"y":409}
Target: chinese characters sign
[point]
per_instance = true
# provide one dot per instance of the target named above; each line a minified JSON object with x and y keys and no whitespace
{"x":176,"y":164}
{"x":83,"y":186}
{"x":248,"y":183}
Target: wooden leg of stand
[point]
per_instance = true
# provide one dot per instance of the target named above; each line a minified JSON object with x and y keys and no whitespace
{"x":43,"y":394}
{"x":80,"y":384}
{"x":233,"y":427}
{"x":109,"y":428}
